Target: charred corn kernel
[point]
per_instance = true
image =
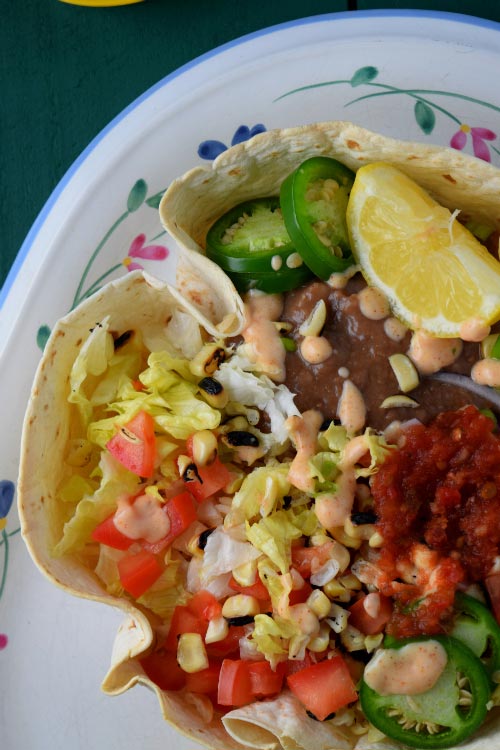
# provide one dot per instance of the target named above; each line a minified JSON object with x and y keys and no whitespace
{"x":281,"y":325}
{"x":321,"y":641}
{"x":335,"y":590}
{"x":217,"y":630}
{"x":376,"y":540}
{"x":399,"y":402}
{"x":373,"y":641}
{"x":350,"y":582}
{"x":338,"y":618}
{"x":340,"y":535}
{"x":313,"y":324}
{"x":191,"y":653}
{"x":352,"y":639}
{"x":213,"y":392}
{"x":316,"y":540}
{"x":183,"y":462}
{"x":359,"y":531}
{"x":193,"y":544}
{"x":240,"y":605}
{"x":208,"y":359}
{"x":246,"y":574}
{"x":341,"y":554}
{"x":204,"y":447}
{"x":236,"y":424}
{"x":237,"y":477}
{"x":319,"y":603}
{"x":405,"y":372}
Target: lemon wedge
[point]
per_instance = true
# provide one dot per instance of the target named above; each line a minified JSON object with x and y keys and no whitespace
{"x":436,"y":275}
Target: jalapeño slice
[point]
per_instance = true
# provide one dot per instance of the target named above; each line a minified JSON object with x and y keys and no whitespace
{"x":475,"y":626}
{"x":273,"y":282}
{"x":249,"y":236}
{"x":314,"y":202}
{"x":443,"y":716}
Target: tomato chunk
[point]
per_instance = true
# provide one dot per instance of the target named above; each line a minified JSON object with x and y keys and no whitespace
{"x":181,"y":513}
{"x":229,"y":646}
{"x":206,"y":681}
{"x":107,"y":533}
{"x":368,"y":623}
{"x":134,"y":445}
{"x":184,"y":621}
{"x":204,"y":605}
{"x":212,"y":479}
{"x":235,"y":686}
{"x":138,"y":572}
{"x":264,"y":680}
{"x":162,"y":668}
{"x":257,"y":589}
{"x":323,"y":688}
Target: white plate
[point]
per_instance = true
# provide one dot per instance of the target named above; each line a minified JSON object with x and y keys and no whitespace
{"x":423,"y":76}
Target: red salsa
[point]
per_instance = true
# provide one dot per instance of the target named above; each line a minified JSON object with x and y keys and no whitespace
{"x":437,"y":504}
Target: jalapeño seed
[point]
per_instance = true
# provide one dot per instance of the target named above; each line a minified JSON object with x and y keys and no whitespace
{"x":238,"y":438}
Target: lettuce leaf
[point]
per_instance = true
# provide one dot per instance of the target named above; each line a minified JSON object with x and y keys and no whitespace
{"x":92,"y":509}
{"x":92,"y":360}
{"x":259,"y":494}
{"x":273,"y":536}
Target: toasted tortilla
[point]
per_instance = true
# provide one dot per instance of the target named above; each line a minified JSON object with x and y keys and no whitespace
{"x":257,"y":168}
{"x":137,"y":301}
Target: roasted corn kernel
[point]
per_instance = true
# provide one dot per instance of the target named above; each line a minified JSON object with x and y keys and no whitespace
{"x":217,"y":630}
{"x":213,"y":392}
{"x":208,"y":359}
{"x":191,"y":653}
{"x":240,"y":605}
{"x":204,"y":447}
{"x":319,"y":603}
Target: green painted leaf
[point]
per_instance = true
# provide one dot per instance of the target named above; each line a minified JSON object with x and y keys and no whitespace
{"x":154,"y":201}
{"x":42,"y":337}
{"x":137,"y":195}
{"x":364,"y":75}
{"x":425,"y":117}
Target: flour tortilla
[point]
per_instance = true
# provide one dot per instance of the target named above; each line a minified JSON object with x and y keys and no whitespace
{"x":257,"y":168}
{"x":137,"y":301}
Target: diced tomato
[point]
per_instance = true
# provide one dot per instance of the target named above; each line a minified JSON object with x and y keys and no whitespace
{"x":138,"y":572}
{"x":137,"y":385}
{"x":162,"y":668}
{"x":308,"y":559}
{"x":299,"y":596}
{"x":229,"y":646}
{"x":212,"y":479}
{"x":368,"y":624}
{"x":184,"y":621}
{"x":181,"y":513}
{"x":235,"y":686}
{"x":493,"y":588}
{"x":107,"y":533}
{"x":297,"y":665}
{"x":257,"y":589}
{"x":264,"y":680}
{"x":134,"y":445}
{"x":206,"y":681}
{"x":204,"y":605}
{"x":323,"y":688}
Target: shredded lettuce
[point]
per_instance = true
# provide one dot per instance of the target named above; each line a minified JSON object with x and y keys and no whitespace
{"x":92,"y":360}
{"x":222,"y":554}
{"x":278,"y":638}
{"x":92,"y":509}
{"x":246,"y":388}
{"x":378,"y":448}
{"x":273,"y":535}
{"x":259,"y":494}
{"x":166,"y":593}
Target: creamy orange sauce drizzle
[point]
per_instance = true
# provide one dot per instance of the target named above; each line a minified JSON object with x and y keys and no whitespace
{"x":394,"y":329}
{"x":351,"y":409}
{"x":410,"y":670}
{"x":474,"y":330}
{"x":142,"y":518}
{"x":303,"y":432}
{"x":262,"y":336}
{"x":487,"y":372}
{"x":430,"y":354}
{"x":373,"y":303}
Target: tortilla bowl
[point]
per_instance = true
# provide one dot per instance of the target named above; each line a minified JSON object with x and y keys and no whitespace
{"x":140,"y":302}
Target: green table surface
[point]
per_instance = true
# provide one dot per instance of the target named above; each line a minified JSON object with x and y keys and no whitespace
{"x":66,"y":71}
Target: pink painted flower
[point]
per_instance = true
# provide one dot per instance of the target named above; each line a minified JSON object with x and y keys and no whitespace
{"x":147,"y":252}
{"x":479,"y":136}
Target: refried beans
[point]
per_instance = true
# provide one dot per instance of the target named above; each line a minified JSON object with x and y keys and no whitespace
{"x":360,"y":348}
